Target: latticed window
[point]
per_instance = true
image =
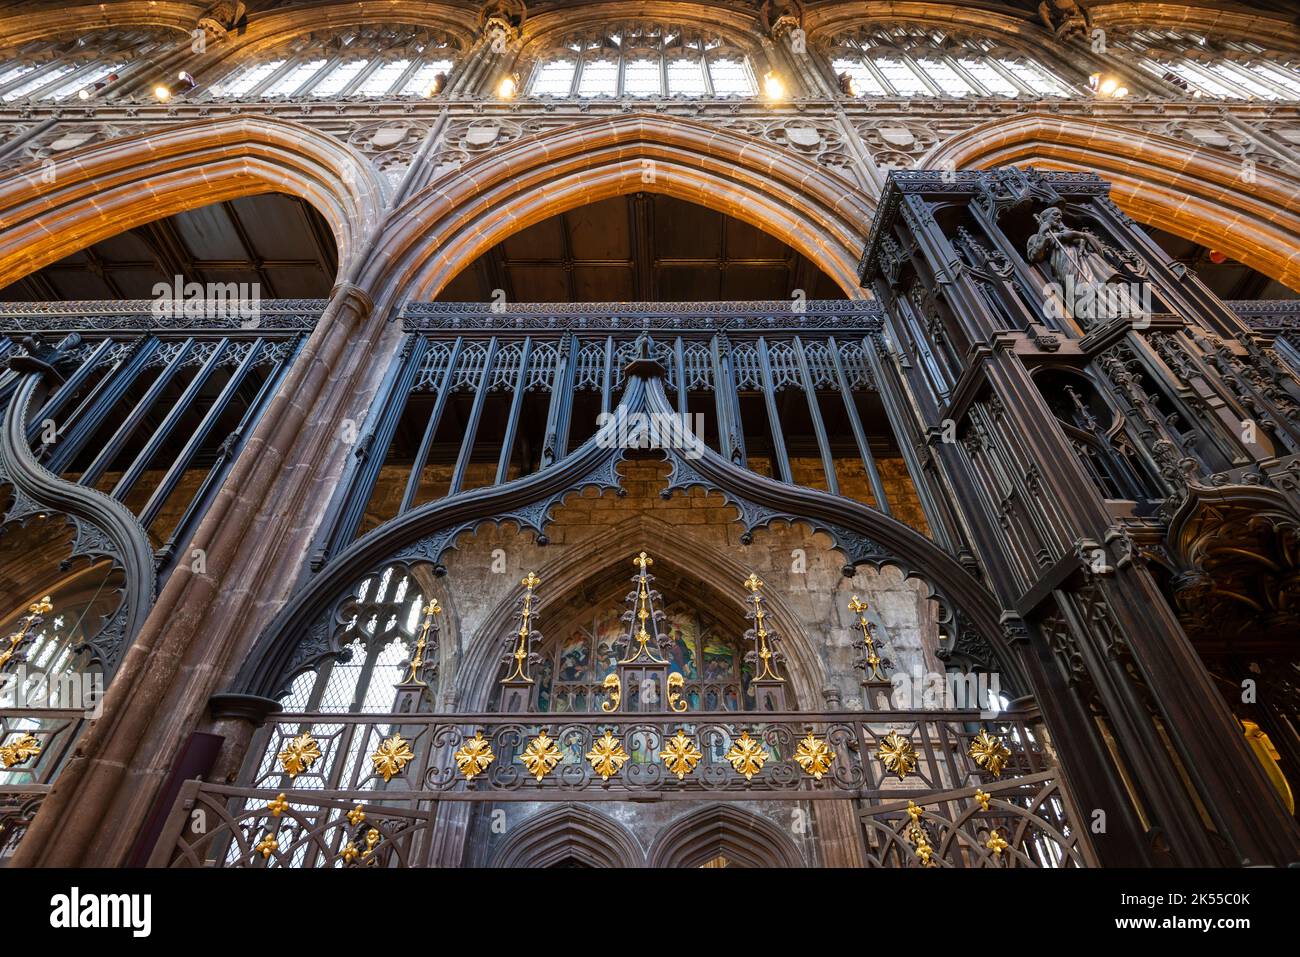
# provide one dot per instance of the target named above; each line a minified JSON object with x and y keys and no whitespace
{"x":59,"y":69}
{"x":643,"y":61}
{"x":915,"y":61}
{"x":1224,"y":69}
{"x":370,"y":61}
{"x":379,"y":626}
{"x":575,"y":665}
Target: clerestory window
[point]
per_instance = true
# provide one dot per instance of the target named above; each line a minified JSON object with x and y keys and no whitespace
{"x":643,"y":61}
{"x":913,"y":61}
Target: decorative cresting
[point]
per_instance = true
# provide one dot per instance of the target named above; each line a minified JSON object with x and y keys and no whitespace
{"x":36,"y":613}
{"x":105,"y":528}
{"x":1190,"y":189}
{"x":642,"y":679}
{"x":517,"y":685}
{"x":423,"y":534}
{"x":767,"y":684}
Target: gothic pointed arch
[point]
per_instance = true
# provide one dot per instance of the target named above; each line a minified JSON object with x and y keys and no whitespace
{"x":717,"y":574}
{"x":569,"y":835}
{"x":744,"y":839}
{"x":471,"y":209}
{"x":862,"y":534}
{"x":101,"y":190}
{"x":1196,"y":191}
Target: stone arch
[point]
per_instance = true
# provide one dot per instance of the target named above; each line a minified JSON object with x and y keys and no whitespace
{"x":1196,"y":193}
{"x":546,"y":27}
{"x":104,"y":189}
{"x":741,"y":836}
{"x":719,"y":573}
{"x":271,"y":29}
{"x":569,"y":832}
{"x":810,"y":208}
{"x":22,"y":27}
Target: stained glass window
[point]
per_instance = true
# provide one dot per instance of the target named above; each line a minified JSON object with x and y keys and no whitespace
{"x":574,"y":666}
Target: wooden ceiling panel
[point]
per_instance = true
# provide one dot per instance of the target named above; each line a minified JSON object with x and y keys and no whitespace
{"x":278,"y":241}
{"x":640,"y":247}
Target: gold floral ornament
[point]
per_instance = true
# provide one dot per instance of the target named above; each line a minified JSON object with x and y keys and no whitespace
{"x":278,"y":806}
{"x":897,"y":754}
{"x":392,"y":756}
{"x":814,"y":756}
{"x":916,"y":833}
{"x":474,"y":756}
{"x":680,"y":754}
{"x":982,"y":797}
{"x":351,"y":853}
{"x":989,"y":753}
{"x":267,"y":845}
{"x":35,"y":616}
{"x":20,"y":749}
{"x":541,"y":756}
{"x":607,"y":755}
{"x":299,"y":755}
{"x":996,"y":843}
{"x":356,"y":816}
{"x":747,"y":756}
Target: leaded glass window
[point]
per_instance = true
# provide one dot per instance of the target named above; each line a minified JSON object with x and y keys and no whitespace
{"x":911,"y":61}
{"x":643,"y":61}
{"x":1221,"y":68}
{"x":369,"y":61}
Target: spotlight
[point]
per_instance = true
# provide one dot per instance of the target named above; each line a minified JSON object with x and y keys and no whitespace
{"x":848,"y":85}
{"x":438,"y":84}
{"x":182,"y":84}
{"x":1107,"y":86}
{"x":1217,"y":257}
{"x":508,"y":87}
{"x":773,"y":86}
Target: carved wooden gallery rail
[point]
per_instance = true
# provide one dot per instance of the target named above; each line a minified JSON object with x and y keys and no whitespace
{"x":931,"y":788}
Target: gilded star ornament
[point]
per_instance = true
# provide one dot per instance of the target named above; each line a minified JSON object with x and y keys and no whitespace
{"x":897,"y":754}
{"x":607,"y":755}
{"x":680,"y":754}
{"x":278,"y":806}
{"x":392,"y":756}
{"x":299,"y":754}
{"x":267,"y":845}
{"x":747,"y":756}
{"x":474,"y":756}
{"x":541,"y":756}
{"x":19,"y":749}
{"x":814,"y":756}
{"x":989,"y":753}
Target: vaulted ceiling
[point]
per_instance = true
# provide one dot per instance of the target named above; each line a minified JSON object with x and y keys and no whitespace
{"x":639,"y":248}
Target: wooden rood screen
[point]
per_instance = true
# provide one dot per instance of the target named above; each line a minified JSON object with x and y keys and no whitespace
{"x":353,"y":790}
